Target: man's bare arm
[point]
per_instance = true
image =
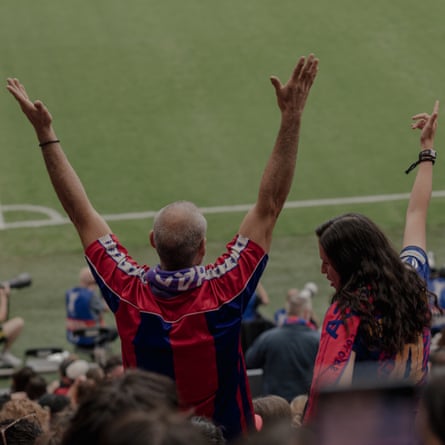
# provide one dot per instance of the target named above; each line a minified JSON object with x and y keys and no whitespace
{"x":89,"y":224}
{"x":275,"y":184}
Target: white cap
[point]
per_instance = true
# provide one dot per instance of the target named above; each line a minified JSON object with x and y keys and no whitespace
{"x":77,"y":369}
{"x":311,"y":287}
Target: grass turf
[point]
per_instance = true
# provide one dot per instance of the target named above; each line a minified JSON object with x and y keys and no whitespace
{"x":158,"y":101}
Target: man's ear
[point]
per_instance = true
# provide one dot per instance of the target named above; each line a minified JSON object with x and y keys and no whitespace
{"x":152,"y":239}
{"x":203,"y":246}
{"x":201,"y":252}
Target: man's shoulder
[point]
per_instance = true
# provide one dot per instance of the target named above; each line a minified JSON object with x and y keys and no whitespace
{"x":302,"y":330}
{"x":240,"y":243}
{"x":272,"y":334}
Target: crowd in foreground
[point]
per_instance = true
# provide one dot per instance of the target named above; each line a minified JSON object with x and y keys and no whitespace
{"x":106,"y":405}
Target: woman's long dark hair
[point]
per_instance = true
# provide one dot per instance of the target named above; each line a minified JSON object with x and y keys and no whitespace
{"x":389,"y":296}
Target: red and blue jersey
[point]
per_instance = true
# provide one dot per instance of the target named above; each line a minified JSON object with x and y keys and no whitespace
{"x":186,"y":323}
{"x":342,"y":337}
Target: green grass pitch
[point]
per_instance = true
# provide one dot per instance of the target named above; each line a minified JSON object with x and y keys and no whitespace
{"x":159,"y":101}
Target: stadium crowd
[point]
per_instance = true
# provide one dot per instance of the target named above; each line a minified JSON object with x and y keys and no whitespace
{"x":183,"y":378}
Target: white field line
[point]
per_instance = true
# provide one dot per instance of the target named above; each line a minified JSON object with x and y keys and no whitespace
{"x":54,"y":218}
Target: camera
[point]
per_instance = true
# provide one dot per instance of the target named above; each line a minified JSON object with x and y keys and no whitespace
{"x":18,"y":282}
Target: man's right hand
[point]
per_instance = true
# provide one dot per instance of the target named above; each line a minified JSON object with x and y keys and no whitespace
{"x":36,"y":112}
{"x":292,"y":96}
{"x":276,"y":181}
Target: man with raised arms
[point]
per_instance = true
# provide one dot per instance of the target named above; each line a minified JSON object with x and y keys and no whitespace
{"x":180,"y":318}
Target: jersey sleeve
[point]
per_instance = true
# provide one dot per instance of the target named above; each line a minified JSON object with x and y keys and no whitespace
{"x":116,"y":273}
{"x":416,"y":258}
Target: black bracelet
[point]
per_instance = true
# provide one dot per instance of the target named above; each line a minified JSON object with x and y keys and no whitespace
{"x":428,"y":155}
{"x":44,"y":144}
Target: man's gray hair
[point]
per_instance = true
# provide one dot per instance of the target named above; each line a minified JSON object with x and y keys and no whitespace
{"x":178,"y":230}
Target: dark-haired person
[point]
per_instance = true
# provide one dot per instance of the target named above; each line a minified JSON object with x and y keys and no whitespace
{"x":378,"y":325}
{"x":182,"y":319}
{"x":157,"y":428}
{"x":110,"y":400}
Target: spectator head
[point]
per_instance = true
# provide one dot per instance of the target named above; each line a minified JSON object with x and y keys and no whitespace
{"x":36,"y":387}
{"x":297,"y":406}
{"x":113,"y":367}
{"x":21,"y":408}
{"x":159,"y":427}
{"x":95,"y":373}
{"x":352,"y":241}
{"x":299,"y":305}
{"x":76,"y":369}
{"x":212,"y":432}
{"x":136,"y":390}
{"x":59,"y":423}
{"x":178,"y":235}
{"x":291,"y":293}
{"x":272,"y":409}
{"x":54,"y":402}
{"x":20,"y":378}
{"x":65,"y":363}
{"x":20,"y":431}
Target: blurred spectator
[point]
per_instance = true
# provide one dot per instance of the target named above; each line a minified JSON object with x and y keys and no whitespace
{"x":85,"y":309}
{"x":95,"y":373}
{"x":17,"y":409}
{"x":159,"y":427}
{"x":60,"y":421}
{"x":272,"y":409}
{"x":10,"y":329}
{"x":20,"y":431}
{"x":287,"y":353}
{"x":309,"y":290}
{"x":136,"y":390}
{"x":54,"y":402}
{"x":19,"y":381}
{"x":63,"y":383}
{"x":113,"y":367}
{"x":36,"y":387}
{"x":297,"y":406}
{"x":211,"y":432}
